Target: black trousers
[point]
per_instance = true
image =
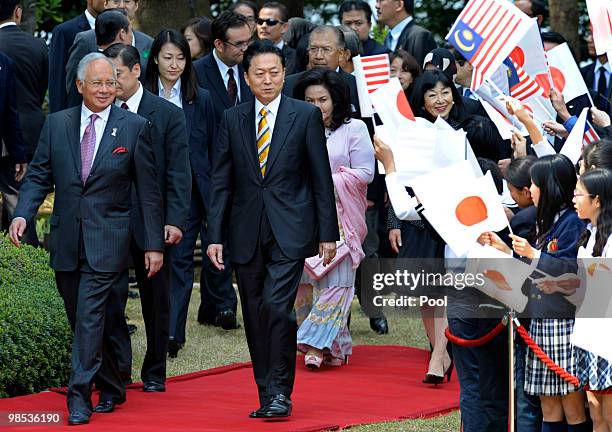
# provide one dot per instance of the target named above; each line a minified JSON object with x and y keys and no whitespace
{"x":268,"y":287}
{"x":86,"y":295}
{"x":155,"y":304}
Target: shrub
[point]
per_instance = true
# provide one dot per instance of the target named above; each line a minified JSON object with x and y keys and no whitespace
{"x":35,"y":335}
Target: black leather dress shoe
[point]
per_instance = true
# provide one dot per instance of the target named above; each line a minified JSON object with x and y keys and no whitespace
{"x":78,"y":418}
{"x":107,"y":406}
{"x":173,"y":348}
{"x":227,"y":320}
{"x":257,"y":413}
{"x":153,"y":387}
{"x":379,"y":325}
{"x":279,"y":406}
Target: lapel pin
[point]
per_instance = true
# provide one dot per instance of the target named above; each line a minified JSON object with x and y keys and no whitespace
{"x":114,"y":132}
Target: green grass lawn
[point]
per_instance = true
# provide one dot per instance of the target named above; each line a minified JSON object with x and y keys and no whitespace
{"x":209,"y":347}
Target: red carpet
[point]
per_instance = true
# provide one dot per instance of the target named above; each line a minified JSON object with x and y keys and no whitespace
{"x":381,"y":383}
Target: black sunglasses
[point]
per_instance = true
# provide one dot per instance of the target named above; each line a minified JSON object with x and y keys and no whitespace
{"x":270,"y":21}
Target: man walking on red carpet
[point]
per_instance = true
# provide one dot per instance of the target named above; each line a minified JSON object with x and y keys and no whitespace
{"x":271,"y":171}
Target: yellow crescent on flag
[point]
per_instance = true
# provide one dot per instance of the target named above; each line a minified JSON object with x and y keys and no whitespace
{"x":468,"y":36}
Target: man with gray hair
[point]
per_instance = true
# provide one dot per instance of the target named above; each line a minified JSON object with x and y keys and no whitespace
{"x":92,"y":155}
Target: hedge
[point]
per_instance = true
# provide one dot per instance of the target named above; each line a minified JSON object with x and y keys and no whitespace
{"x":35,"y":335}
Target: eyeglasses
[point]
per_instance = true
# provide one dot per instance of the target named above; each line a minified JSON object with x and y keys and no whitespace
{"x":325,"y":50}
{"x":119,"y":2}
{"x":240,"y":45}
{"x":100,"y":84}
{"x":578,"y":194}
{"x":271,"y":22}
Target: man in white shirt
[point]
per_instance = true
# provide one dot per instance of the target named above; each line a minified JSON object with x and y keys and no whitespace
{"x":92,"y":155}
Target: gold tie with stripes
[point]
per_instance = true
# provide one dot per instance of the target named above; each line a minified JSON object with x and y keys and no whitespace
{"x":263,"y":140}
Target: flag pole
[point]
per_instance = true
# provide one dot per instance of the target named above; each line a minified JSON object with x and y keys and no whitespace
{"x":511,"y":403}
{"x":501,"y":93}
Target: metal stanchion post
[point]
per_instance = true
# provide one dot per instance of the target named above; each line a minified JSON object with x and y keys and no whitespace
{"x":510,"y":318}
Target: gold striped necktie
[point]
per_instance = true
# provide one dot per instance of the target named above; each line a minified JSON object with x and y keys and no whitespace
{"x":263,"y":140}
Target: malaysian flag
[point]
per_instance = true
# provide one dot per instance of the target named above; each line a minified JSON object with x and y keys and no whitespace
{"x":371,"y":72}
{"x":522,"y":86}
{"x":485,"y":33}
{"x":590,"y":136}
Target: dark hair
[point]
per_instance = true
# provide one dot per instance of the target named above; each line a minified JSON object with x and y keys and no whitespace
{"x":201,"y":27}
{"x":251,"y":5}
{"x":601,"y":156}
{"x":284,"y":12}
{"x":590,"y":157}
{"x":483,"y":136}
{"x":409,"y":63}
{"x":459,"y":58}
{"x":351,"y":40}
{"x":409,"y":6}
{"x":553,"y":37}
{"x":108,"y":25}
{"x":517,"y":173}
{"x":598,"y":182}
{"x":556,"y":178}
{"x":225,"y":21}
{"x":260,"y":47}
{"x":7,"y":7}
{"x":189,"y":86}
{"x":426,"y":82}
{"x":538,"y":7}
{"x":335,"y":85}
{"x":329,"y":28}
{"x":355,"y":5}
{"x":297,"y":37}
{"x":128,"y":54}
{"x":490,"y":165}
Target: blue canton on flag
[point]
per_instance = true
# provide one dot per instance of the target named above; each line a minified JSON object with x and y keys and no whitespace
{"x":466,"y":40}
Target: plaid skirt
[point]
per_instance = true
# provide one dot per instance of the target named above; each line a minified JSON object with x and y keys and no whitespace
{"x":553,"y":336}
{"x":594,"y":371}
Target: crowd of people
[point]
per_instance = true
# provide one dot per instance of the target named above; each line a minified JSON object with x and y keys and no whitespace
{"x":246,"y":131}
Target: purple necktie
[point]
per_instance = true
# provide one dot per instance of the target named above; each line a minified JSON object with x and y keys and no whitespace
{"x":88,"y":145}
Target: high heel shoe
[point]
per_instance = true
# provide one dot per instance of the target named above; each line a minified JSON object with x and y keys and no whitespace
{"x":334,"y":361}
{"x":312,"y":361}
{"x":437,"y":379}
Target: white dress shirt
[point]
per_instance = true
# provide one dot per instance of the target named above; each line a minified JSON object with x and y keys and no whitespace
{"x":396,"y":31}
{"x":175,"y":93}
{"x":90,"y":19}
{"x":272,"y":108}
{"x":607,"y":71}
{"x":8,"y":24}
{"x":134,"y":102}
{"x":280,"y":45}
{"x":100,"y":125}
{"x":223,"y":68}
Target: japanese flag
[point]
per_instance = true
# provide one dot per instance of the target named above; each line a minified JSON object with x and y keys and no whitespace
{"x":392,"y":106}
{"x":565,"y":73}
{"x":600,"y":14}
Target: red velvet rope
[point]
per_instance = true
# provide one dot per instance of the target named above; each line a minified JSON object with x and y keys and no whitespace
{"x":545,"y":359}
{"x":475,"y":342}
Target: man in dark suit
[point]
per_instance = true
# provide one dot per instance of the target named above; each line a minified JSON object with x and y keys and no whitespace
{"x":597,"y":78}
{"x":271,"y":173}
{"x":222,"y":75}
{"x":403,"y":31}
{"x":31,"y":71}
{"x":13,"y":160}
{"x":272,"y":24}
{"x":325,"y":44}
{"x":62,"y":39}
{"x":169,"y":138}
{"x":220,"y":72}
{"x":357,"y":14}
{"x":91,"y":156}
{"x":102,"y":36}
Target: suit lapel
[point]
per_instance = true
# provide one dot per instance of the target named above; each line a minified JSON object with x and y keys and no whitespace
{"x":284,"y":121}
{"x":245,"y":91}
{"x":73,"y":128}
{"x":111,"y":131}
{"x":83,"y":24}
{"x":249,"y":137}
{"x":146,"y":107}
{"x":216,"y":81}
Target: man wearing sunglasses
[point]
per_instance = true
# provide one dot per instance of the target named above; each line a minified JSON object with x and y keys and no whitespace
{"x":272,"y":24}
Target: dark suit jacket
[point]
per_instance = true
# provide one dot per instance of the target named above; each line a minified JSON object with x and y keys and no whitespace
{"x":296,"y":194}
{"x":10,"y":129}
{"x":209,"y":78}
{"x":85,"y":43}
{"x":417,"y":40}
{"x":349,"y":79}
{"x":371,"y":47}
{"x":523,"y":223}
{"x":31,"y":71}
{"x":588,"y":73}
{"x":62,"y":40}
{"x":290,"y":59}
{"x":169,"y":140}
{"x":201,"y":129}
{"x":101,"y":208}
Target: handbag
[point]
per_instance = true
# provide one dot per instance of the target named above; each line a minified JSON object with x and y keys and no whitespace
{"x":314,"y":265}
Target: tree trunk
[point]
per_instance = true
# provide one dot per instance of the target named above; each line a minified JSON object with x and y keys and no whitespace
{"x":564,"y":20}
{"x":28,"y":20}
{"x":154,"y":15}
